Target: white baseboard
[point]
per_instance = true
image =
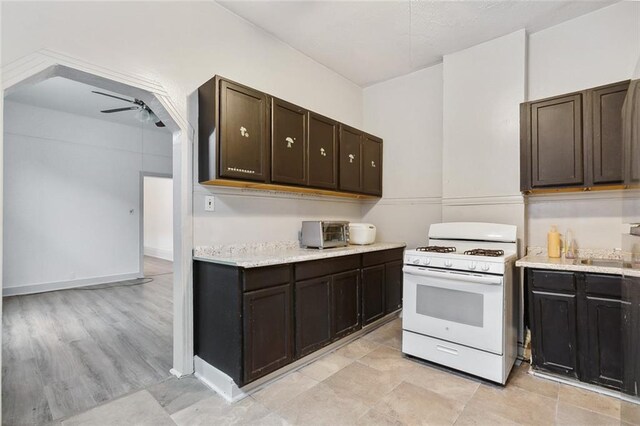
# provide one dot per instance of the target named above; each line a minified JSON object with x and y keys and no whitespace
{"x":160,"y":253}
{"x":64,"y":285}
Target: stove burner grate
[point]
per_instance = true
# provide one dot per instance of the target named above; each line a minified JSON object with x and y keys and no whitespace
{"x":485,"y":252}
{"x":437,"y":249}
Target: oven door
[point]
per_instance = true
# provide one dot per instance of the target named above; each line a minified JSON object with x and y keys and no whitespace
{"x":459,"y":307}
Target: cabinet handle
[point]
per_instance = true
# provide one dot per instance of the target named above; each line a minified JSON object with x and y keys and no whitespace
{"x":243,"y":132}
{"x":373,"y":164}
{"x":290,"y":141}
{"x":351,"y":158}
{"x":323,"y":152}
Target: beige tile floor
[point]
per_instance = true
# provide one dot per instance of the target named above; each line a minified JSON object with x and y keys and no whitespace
{"x":369,"y":382}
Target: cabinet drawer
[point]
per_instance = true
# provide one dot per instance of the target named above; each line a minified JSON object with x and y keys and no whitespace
{"x":603,"y":285}
{"x":319,"y":268}
{"x":257,"y":278}
{"x":553,"y":280}
{"x":383,"y":256}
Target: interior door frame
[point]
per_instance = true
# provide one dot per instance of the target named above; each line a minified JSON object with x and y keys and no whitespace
{"x":44,"y":64}
{"x":143,"y":175}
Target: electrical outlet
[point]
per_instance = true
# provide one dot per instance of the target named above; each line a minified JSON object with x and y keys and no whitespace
{"x":210,"y":203}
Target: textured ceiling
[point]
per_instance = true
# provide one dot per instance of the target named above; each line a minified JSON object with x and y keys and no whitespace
{"x":66,"y":95}
{"x":372,"y":41}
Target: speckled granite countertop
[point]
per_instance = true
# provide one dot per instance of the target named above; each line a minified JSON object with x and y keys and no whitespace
{"x":542,"y":261}
{"x":276,"y":253}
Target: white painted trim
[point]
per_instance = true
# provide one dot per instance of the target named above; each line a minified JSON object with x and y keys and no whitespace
{"x":218,"y":381}
{"x":385,"y":201}
{"x":614,"y":195}
{"x":483,"y":200}
{"x":63,"y":285}
{"x":586,"y":386}
{"x":224,"y":385}
{"x":160,"y":253}
{"x":44,"y":64}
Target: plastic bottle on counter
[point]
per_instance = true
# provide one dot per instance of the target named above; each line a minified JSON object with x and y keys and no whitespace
{"x":569,"y":245}
{"x":553,"y":242}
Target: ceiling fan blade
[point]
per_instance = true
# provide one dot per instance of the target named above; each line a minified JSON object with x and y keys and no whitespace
{"x":160,"y":124}
{"x":113,"y":96}
{"x":109,"y":111}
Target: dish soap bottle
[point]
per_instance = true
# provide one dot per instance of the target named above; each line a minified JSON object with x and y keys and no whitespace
{"x":553,"y":242}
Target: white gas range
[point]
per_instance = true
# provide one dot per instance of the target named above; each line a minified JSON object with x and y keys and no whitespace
{"x":460,"y":301}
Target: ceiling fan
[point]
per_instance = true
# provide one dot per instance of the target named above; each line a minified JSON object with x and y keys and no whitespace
{"x":143,"y":112}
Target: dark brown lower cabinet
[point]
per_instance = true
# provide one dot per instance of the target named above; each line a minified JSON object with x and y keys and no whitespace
{"x":345,"y":289}
{"x":373,"y":291}
{"x":554,"y":324}
{"x":586,"y":331}
{"x":603,"y":333}
{"x":268,"y":335}
{"x":393,"y":286}
{"x":313,"y":314}
{"x":249,"y":322}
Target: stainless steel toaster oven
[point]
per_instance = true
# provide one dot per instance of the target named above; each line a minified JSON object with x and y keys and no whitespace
{"x":325,"y":234}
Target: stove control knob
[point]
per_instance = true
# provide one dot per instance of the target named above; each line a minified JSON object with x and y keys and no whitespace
{"x":472,"y":265}
{"x":448,"y":263}
{"x":415,"y":261}
{"x":485,"y":267}
{"x":426,"y":261}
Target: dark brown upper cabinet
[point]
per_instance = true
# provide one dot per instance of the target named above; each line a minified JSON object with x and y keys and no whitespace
{"x":350,"y":159}
{"x":322,"y":158}
{"x":372,"y":165}
{"x":554,"y":142}
{"x":244,"y":139}
{"x":573,"y":140}
{"x":247,"y":138}
{"x":288,"y":143}
{"x":631,"y":135}
{"x":605,"y":126}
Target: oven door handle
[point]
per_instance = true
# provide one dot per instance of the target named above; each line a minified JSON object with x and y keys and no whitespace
{"x":448,"y":275}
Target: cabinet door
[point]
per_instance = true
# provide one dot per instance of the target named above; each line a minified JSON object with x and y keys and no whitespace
{"x":606,"y":146}
{"x":373,"y":291}
{"x":553,"y":332}
{"x":322,"y":159}
{"x":603,"y":332}
{"x":288,"y":143}
{"x":350,"y":161}
{"x":631,"y":336}
{"x":313,"y":315}
{"x":268,"y":331}
{"x":346,"y":303}
{"x":244,"y":139}
{"x":556,"y":147}
{"x":372,"y":165}
{"x":393,"y":286}
{"x":631,"y":136}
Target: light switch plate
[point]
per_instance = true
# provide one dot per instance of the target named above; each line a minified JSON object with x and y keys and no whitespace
{"x":210,"y":203}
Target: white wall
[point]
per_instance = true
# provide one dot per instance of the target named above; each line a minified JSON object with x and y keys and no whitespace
{"x":158,"y":217}
{"x":483,"y":87}
{"x":191,"y":42}
{"x":69,"y":185}
{"x":598,"y":48}
{"x":407,"y":113}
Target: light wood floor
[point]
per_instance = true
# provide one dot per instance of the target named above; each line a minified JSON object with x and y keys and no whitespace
{"x":66,"y":351}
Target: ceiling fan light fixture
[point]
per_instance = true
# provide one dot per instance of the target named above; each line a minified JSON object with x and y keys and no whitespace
{"x":143,"y":115}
